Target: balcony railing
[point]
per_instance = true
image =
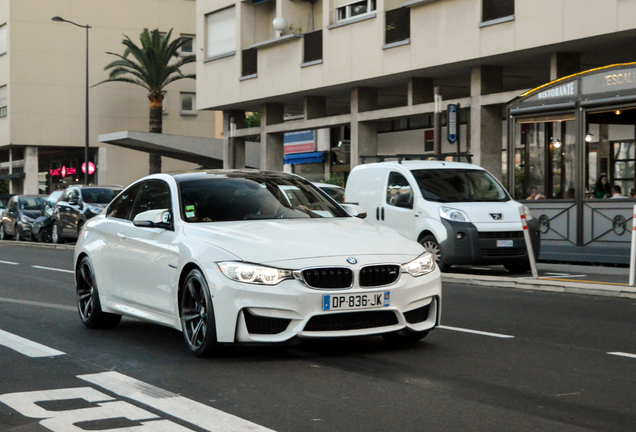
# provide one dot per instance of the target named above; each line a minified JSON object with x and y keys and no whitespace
{"x":312,"y":46}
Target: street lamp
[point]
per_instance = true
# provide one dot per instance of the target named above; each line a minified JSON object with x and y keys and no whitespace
{"x":60,"y":19}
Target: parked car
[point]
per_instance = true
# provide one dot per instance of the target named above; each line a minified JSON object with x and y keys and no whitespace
{"x":77,"y":205}
{"x":457,"y":211}
{"x":18,"y":217}
{"x":41,"y":229}
{"x":334,"y":191}
{"x":225,"y":257}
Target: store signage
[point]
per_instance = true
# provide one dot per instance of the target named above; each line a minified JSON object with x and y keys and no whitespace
{"x":63,"y":172}
{"x":451,"y":122}
{"x":558,"y":91}
{"x":609,"y":81}
{"x":91,"y":168}
{"x":299,"y":142}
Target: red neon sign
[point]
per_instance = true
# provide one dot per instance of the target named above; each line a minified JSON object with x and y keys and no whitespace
{"x":63,"y":172}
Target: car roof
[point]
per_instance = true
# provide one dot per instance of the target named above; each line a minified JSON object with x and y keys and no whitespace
{"x":229,"y":173}
{"x":424,"y":164}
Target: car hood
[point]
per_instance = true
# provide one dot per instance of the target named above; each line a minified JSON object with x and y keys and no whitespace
{"x":33,"y":214}
{"x":279,"y":240}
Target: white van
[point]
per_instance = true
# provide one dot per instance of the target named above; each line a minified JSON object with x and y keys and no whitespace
{"x":457,"y":211}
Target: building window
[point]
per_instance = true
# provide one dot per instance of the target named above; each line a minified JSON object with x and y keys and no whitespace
{"x":355,"y":9}
{"x":3,"y":101}
{"x":312,"y":46}
{"x":3,"y":38}
{"x":188,"y":104}
{"x":398,"y":25}
{"x":188,"y":47}
{"x":249,"y":62}
{"x":221,"y":28}
{"x":495,"y":9}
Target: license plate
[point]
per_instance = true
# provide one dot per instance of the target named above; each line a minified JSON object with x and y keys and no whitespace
{"x":504,"y":243}
{"x":356,"y":301}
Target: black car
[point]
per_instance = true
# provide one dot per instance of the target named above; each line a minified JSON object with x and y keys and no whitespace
{"x":41,"y":230}
{"x":19,"y":216}
{"x":76,"y":205}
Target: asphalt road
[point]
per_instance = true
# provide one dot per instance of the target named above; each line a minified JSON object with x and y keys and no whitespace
{"x":504,"y":360}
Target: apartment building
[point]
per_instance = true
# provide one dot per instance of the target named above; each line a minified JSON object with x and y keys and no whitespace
{"x":43,"y":93}
{"x":367,"y":78}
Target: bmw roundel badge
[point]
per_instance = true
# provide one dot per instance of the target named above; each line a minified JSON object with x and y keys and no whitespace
{"x":352,"y":260}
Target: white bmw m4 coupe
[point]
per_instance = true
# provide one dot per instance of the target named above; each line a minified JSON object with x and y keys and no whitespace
{"x":242,"y":256}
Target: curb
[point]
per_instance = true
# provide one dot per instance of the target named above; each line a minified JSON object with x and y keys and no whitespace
{"x":597,"y":289}
{"x":37,"y":244}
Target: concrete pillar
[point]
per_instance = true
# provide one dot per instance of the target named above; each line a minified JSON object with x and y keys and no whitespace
{"x":564,"y":64}
{"x":102,"y":166}
{"x":323,"y":143}
{"x":315,"y":107}
{"x":364,"y":136}
{"x":420,"y":90}
{"x":486,"y":123}
{"x":233,"y":148}
{"x":272,"y":147}
{"x":31,"y":170}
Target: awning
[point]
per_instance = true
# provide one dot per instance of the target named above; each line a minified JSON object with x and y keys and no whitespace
{"x":304,"y":158}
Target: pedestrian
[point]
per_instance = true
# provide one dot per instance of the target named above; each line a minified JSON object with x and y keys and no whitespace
{"x":533,"y":194}
{"x":617,"y":192}
{"x":602,"y":188}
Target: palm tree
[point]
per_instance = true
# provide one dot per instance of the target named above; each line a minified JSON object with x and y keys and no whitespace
{"x":149,"y":66}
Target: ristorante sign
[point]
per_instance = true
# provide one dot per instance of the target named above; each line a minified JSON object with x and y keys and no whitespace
{"x":564,"y":90}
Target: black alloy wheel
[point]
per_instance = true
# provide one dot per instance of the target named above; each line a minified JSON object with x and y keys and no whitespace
{"x":197,"y":315}
{"x":88,"y":304}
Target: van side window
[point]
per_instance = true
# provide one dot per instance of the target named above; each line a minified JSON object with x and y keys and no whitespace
{"x":399,"y":192}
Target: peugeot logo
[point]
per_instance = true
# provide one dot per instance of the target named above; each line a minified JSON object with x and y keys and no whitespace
{"x":496,"y":216}
{"x":351,"y":260}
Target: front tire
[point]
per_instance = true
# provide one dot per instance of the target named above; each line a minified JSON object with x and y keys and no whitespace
{"x":431,"y":245}
{"x":88,"y":305}
{"x":197,"y":315}
{"x":56,"y":235}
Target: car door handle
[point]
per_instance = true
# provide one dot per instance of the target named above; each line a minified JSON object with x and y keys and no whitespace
{"x":377,"y":213}
{"x":121,"y":235}
{"x":382,"y":213}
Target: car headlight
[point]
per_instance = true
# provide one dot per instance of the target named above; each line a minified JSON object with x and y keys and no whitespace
{"x":26,"y":219}
{"x":254,"y":274}
{"x":421,"y":265}
{"x":453,"y":214}
{"x":528,"y":213}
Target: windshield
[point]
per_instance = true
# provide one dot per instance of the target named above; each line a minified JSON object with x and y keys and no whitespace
{"x":31,"y":203}
{"x":254,"y":197}
{"x":99,"y":195}
{"x":459,"y":185}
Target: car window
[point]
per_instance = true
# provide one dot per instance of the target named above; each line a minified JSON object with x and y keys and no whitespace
{"x":31,"y":203}
{"x":99,"y":195}
{"x":254,"y":197}
{"x":399,"y":192}
{"x":122,"y":205}
{"x":459,"y":185}
{"x":335,"y":193}
{"x":153,"y":195}
{"x":13,"y":204}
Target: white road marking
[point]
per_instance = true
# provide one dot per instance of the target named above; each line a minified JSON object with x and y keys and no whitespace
{"x":9,"y":262}
{"x":622,"y":354}
{"x":53,"y":269}
{"x":190,"y":411}
{"x":40,"y":304}
{"x":26,"y":347}
{"x":497,"y":335}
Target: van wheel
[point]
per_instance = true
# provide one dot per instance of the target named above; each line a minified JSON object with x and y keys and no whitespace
{"x":518,"y":268}
{"x":430,"y":245}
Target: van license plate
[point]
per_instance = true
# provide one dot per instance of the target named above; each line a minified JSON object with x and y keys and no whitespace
{"x":504,"y":243}
{"x":356,"y":301}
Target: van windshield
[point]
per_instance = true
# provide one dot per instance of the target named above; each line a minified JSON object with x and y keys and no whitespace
{"x":459,"y":185}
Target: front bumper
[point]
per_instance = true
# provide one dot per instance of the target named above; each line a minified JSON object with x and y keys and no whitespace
{"x":270,"y":314}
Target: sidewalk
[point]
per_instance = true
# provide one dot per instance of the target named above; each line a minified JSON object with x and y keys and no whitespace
{"x":576,"y":279}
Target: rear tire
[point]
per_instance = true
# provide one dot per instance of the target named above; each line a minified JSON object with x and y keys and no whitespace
{"x":431,"y":245}
{"x":197,"y":315}
{"x":405,"y":336}
{"x":518,"y":268}
{"x":88,"y":305}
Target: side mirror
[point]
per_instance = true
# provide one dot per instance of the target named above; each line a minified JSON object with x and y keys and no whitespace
{"x":153,"y":219}
{"x":73,"y":201}
{"x":355,"y":210}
